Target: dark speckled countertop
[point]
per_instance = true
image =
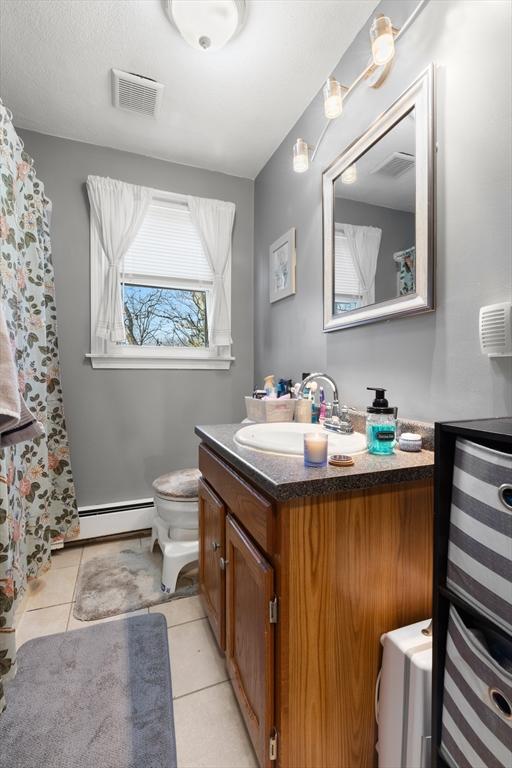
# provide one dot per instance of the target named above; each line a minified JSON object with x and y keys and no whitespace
{"x":286,"y":477}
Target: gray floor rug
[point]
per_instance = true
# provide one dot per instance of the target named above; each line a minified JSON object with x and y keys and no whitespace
{"x":98,"y":697}
{"x":118,"y":583}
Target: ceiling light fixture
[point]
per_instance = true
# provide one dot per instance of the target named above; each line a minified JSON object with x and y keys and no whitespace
{"x":383,"y":36}
{"x":207,"y":25}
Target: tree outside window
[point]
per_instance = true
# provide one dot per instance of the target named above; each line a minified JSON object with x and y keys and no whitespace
{"x":159,"y":316}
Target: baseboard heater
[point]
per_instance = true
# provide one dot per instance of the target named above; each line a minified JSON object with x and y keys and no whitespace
{"x":118,"y":517}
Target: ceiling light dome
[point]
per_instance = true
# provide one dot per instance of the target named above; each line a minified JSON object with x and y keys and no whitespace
{"x":207,"y":25}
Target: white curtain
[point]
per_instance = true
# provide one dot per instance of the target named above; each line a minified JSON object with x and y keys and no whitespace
{"x":214,"y":220}
{"x":118,"y":210}
{"x":364,"y":243}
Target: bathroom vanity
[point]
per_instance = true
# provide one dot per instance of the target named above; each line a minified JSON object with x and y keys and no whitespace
{"x":301,"y":571}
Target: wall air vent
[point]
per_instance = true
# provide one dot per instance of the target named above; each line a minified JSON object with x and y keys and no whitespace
{"x":496,"y":329}
{"x":136,"y":93}
{"x":395,"y":165}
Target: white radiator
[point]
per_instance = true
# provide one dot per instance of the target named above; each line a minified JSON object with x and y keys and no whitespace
{"x":119,"y":517}
{"x":403,"y":698}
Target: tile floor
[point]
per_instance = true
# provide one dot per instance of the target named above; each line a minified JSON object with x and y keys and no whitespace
{"x":209,"y":730}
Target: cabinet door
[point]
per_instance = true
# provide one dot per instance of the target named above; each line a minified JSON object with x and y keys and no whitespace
{"x":212,"y":580}
{"x":250,"y":636}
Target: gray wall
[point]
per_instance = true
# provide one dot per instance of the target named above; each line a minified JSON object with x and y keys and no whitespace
{"x":398,"y":233}
{"x":432,"y":363}
{"x":128,"y":426}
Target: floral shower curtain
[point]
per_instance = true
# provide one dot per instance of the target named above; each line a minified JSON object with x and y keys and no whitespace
{"x":37,"y":496}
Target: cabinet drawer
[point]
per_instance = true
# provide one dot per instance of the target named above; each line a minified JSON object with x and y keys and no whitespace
{"x":480,"y":537}
{"x":249,"y":507}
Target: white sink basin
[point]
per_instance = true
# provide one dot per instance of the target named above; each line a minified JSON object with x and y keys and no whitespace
{"x":287,"y":438}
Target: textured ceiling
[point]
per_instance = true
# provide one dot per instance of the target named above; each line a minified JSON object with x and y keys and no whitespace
{"x":226,"y":111}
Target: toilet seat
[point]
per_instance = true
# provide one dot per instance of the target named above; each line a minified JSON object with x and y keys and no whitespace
{"x":178,"y":485}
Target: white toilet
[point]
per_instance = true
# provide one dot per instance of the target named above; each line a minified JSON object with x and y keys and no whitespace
{"x":176,"y":524}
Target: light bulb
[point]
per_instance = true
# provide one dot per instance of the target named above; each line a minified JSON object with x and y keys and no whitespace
{"x":333,"y":99}
{"x":300,"y":156}
{"x":349,"y":175}
{"x":383,"y":42}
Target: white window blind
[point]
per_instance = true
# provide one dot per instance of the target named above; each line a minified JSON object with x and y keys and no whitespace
{"x":346,"y":280}
{"x":168,"y":246}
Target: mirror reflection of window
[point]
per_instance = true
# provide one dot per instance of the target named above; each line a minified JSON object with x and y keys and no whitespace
{"x":374,"y":211}
{"x":347,"y":285}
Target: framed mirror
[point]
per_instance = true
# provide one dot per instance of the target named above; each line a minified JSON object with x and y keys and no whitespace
{"x":378,"y":217}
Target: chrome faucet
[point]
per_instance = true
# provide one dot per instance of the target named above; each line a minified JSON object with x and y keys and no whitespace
{"x":339,"y":419}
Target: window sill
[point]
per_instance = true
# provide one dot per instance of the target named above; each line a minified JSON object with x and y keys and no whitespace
{"x":154,"y":362}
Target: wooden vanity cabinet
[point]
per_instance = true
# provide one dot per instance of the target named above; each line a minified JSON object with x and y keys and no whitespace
{"x":310,"y":585}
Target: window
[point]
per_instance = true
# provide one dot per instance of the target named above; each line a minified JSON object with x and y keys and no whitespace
{"x":167,"y":281}
{"x":167,"y":293}
{"x":347,"y":285}
{"x":158,"y":316}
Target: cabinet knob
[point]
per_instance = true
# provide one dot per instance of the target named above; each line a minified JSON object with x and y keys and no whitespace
{"x":223,"y":564}
{"x":215,"y":545}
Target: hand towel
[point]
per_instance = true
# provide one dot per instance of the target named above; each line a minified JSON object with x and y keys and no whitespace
{"x":16,"y":421}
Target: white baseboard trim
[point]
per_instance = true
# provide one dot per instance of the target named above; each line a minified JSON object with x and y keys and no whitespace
{"x":101,"y":520}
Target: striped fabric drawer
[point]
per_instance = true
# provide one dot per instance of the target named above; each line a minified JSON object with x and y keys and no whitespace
{"x":476,"y":729}
{"x":480,"y":537}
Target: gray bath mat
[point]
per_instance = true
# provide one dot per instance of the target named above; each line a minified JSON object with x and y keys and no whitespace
{"x":98,"y":697}
{"x":118,"y":583}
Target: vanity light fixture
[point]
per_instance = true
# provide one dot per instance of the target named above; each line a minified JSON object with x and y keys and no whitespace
{"x":349,"y":176}
{"x":207,"y":25}
{"x":300,"y":156}
{"x":382,"y":39}
{"x":383,"y":36}
{"x":333,"y":98}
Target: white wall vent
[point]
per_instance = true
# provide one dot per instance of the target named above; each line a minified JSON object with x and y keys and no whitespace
{"x":136,"y":93}
{"x":496,"y":329}
{"x":395,"y":164}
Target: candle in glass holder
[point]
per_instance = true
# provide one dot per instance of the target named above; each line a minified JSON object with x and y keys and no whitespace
{"x":315,"y":449}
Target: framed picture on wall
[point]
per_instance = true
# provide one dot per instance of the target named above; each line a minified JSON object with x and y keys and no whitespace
{"x":282,"y":266}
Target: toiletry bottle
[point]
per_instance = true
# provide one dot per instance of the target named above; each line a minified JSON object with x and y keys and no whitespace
{"x":323,"y":406}
{"x":380,"y":424}
{"x":315,"y":409}
{"x":284,"y":387}
{"x":269,"y":387}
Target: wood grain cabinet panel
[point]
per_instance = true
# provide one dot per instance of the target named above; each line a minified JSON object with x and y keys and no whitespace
{"x":250,"y":636}
{"x":355,"y":565}
{"x":212,"y":580}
